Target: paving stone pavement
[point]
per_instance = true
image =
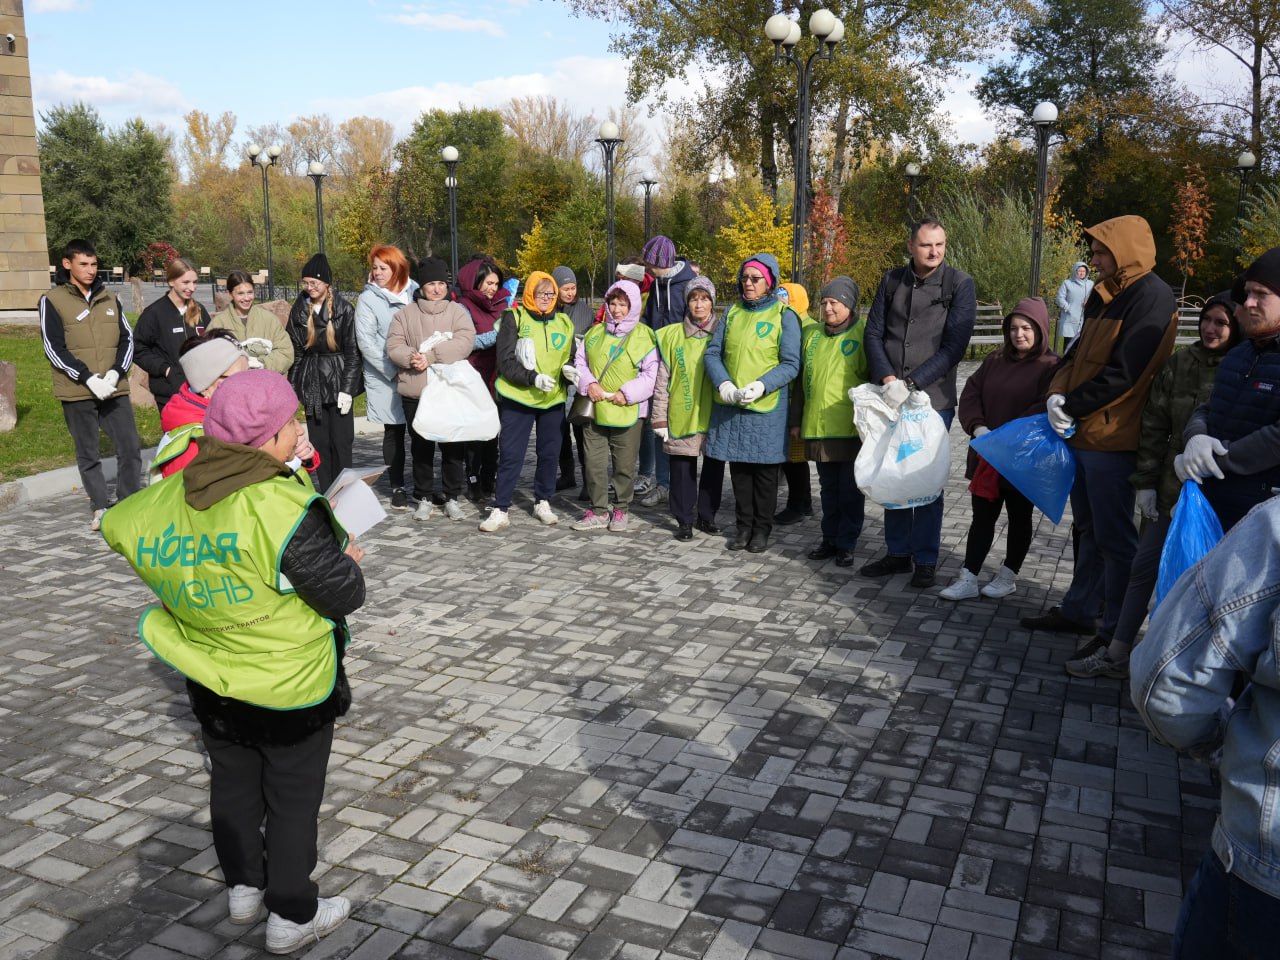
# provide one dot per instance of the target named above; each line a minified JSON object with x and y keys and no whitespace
{"x":568,"y":745}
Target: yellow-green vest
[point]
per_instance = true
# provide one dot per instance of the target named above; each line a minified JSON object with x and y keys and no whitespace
{"x":229,"y":618}
{"x":689,"y":390}
{"x":553,"y":347}
{"x":626,"y":352}
{"x":752,"y":347}
{"x":174,"y":443}
{"x":91,"y":329}
{"x":831,"y":366}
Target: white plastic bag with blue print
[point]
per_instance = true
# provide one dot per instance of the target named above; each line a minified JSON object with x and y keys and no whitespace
{"x":906,"y":453}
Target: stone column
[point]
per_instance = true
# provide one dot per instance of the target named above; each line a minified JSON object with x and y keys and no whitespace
{"x":24,"y":249}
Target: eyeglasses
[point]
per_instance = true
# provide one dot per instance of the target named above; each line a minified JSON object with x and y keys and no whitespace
{"x":544,"y":296}
{"x":748,"y":278}
{"x":313,"y":284}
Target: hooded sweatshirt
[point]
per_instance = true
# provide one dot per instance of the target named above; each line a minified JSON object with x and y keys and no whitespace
{"x":1006,"y":386}
{"x":1072,"y":294}
{"x":666,"y":295}
{"x":1131,"y":322}
{"x":640,"y":388}
{"x":485,"y":314}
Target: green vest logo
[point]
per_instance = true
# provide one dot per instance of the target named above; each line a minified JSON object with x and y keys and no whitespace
{"x":763,"y":329}
{"x":848,"y":346}
{"x":557,"y":340}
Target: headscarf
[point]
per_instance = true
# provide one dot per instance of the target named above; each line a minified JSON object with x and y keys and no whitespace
{"x":531,"y":287}
{"x":473,"y":299}
{"x":797,"y":297}
{"x":769,"y":266}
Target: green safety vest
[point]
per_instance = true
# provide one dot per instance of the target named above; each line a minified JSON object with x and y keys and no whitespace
{"x":689,"y":390}
{"x":752,"y":345}
{"x":831,"y":366}
{"x":626,"y":352}
{"x":174,"y":443}
{"x":553,"y":348}
{"x":229,"y":619}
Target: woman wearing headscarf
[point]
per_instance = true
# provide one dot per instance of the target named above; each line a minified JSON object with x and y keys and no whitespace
{"x":1072,"y":293}
{"x":389,"y":289}
{"x":482,"y":295}
{"x":535,"y":342}
{"x":682,"y":399}
{"x":327,"y":371}
{"x":753,"y":356}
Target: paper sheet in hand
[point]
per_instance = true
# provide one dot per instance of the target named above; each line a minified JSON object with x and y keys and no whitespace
{"x":353,"y":502}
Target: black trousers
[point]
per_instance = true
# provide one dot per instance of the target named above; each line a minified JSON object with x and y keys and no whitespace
{"x":566,"y":450}
{"x":693,"y":497}
{"x":482,"y":464}
{"x":393,"y":452}
{"x":755,"y":494}
{"x":283,"y":788}
{"x":453,"y":461}
{"x":799,"y":493}
{"x":85,"y":418}
{"x":333,"y":436}
{"x":982,"y":529}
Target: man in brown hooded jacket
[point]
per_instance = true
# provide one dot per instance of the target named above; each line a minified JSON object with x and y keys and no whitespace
{"x":1096,"y":400}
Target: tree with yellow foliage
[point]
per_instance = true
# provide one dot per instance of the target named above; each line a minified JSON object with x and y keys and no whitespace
{"x":756,"y":225}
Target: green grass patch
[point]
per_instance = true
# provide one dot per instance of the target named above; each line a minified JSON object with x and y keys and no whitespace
{"x":40,"y":441}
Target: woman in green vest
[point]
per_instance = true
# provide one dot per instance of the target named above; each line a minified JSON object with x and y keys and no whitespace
{"x":832,"y":363}
{"x":682,"y":412}
{"x":753,"y":356}
{"x":615,"y":367}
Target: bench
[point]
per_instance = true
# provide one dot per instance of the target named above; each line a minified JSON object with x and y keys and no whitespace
{"x":988,"y":327}
{"x":1188,"y":324}
{"x":157,"y":277}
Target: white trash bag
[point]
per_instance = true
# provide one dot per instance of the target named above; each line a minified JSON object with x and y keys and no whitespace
{"x":455,"y":406}
{"x":906,"y":453}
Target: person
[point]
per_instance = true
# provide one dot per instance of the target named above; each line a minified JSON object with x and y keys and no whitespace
{"x":388,"y":289}
{"x":1183,"y":384}
{"x":682,"y":398}
{"x":576,"y":309}
{"x":482,"y":296}
{"x":430,"y":317}
{"x":1233,"y":440}
{"x":1011,"y":383}
{"x":259,"y":331}
{"x":795,"y":471}
{"x":615,"y":367}
{"x":535,"y":342}
{"x":89,"y":343}
{"x":163,"y":327}
{"x":1072,"y":294}
{"x":918,"y":328}
{"x":253,"y":616}
{"x":753,"y":355}
{"x":1096,"y":400}
{"x":207,"y":360}
{"x":1216,"y":625}
{"x":326,"y":371}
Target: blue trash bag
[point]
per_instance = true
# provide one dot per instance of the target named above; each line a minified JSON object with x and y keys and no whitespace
{"x":1194,"y":531}
{"x":1031,"y":456}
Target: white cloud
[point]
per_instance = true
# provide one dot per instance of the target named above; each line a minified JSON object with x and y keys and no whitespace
{"x":959,"y":104}
{"x":58,"y":6}
{"x":137,"y":94}
{"x":448,"y":23}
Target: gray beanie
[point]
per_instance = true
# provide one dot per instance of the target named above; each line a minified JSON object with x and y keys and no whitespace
{"x":563,"y":275}
{"x":205,"y":363}
{"x":842,"y":289}
{"x":703,"y":284}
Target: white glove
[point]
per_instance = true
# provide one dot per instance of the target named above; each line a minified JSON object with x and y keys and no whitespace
{"x":1180,"y":469}
{"x":895,"y":393}
{"x":570,"y":373}
{"x":1146,"y":503}
{"x":344,"y":403}
{"x":1062,"y":422}
{"x":980,"y":432}
{"x":728,"y":392}
{"x":100,"y":387}
{"x":1198,"y":457}
{"x":526,"y":354}
{"x":112,"y":377}
{"x":255,"y":363}
{"x":752,"y":392}
{"x":544,"y":382}
{"x":662,"y":433}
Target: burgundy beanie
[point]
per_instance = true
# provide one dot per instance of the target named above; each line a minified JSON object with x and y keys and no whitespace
{"x":659,"y":253}
{"x":250,"y":408}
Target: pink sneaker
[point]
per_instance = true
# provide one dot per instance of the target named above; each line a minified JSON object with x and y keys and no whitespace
{"x":592,"y":521}
{"x":618,"y":522}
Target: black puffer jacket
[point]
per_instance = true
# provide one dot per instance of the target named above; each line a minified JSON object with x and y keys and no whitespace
{"x":319,"y":374}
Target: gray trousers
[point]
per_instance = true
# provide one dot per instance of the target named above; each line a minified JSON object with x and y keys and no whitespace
{"x":114,"y":417}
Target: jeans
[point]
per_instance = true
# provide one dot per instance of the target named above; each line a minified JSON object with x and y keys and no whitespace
{"x":843,"y":505}
{"x":917,"y":531}
{"x":693,"y":496}
{"x":1225,"y":918}
{"x":114,"y":417}
{"x":517,"y":423}
{"x":1102,"y":505}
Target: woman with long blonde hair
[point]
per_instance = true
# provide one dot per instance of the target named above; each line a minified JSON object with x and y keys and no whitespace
{"x":164,"y":326}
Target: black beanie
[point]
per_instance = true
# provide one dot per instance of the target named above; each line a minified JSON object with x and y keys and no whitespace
{"x":1266,"y":270}
{"x":844,"y":290}
{"x":431,"y":270}
{"x":317,"y":268}
{"x":1237,"y":289}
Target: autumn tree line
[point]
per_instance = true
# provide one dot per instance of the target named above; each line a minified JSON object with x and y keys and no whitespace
{"x":530,"y":185}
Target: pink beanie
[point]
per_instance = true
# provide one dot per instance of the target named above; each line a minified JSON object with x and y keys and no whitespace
{"x":250,"y":408}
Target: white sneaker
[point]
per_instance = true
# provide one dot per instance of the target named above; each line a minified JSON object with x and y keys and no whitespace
{"x":453,"y":510}
{"x":964,"y":587}
{"x":425,"y":509}
{"x":96,"y":522}
{"x":542,"y":511}
{"x":1002,"y":584}
{"x":285,"y":936}
{"x":495,"y":521}
{"x":657,"y":496}
{"x":243,"y":903}
{"x":643,"y":485}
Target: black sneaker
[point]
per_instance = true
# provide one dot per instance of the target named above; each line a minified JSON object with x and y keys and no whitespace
{"x":399,"y":499}
{"x":886,"y":566}
{"x":706,"y":526}
{"x":923,"y":576}
{"x":790,"y":515}
{"x":1054,"y":621}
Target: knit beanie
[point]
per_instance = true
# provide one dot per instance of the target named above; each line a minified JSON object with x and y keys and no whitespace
{"x":764,"y":271}
{"x":430,"y":270}
{"x":204,"y":364}
{"x":1237,"y":289}
{"x":1266,"y":270}
{"x":842,"y":289}
{"x":563,"y":275}
{"x":700,"y":283}
{"x":659,"y":252}
{"x":631,"y":271}
{"x":317,"y":268}
{"x":250,"y":408}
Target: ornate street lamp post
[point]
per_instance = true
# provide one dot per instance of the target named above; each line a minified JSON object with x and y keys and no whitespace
{"x":315,"y":170}
{"x":609,"y":141}
{"x":449,"y":157}
{"x":1043,"y":118}
{"x":1244,"y":170}
{"x":785,"y":34}
{"x":913,"y":174}
{"x":265,"y":160}
{"x":648,"y":183}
